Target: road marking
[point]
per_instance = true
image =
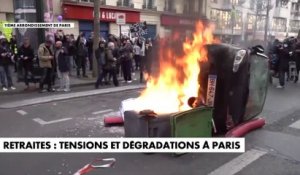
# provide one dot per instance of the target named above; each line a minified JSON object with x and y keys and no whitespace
{"x":109,"y":114}
{"x":238,"y":163}
{"x":295,"y":125}
{"x":22,"y":112}
{"x":58,"y":97}
{"x":101,"y":112}
{"x":42,"y":122}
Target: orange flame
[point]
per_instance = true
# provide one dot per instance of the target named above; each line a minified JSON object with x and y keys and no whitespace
{"x":178,"y":74}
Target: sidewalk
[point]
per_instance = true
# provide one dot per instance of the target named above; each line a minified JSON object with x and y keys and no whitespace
{"x":74,"y":82}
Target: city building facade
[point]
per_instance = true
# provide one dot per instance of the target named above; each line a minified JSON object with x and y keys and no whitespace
{"x":246,"y":19}
{"x":163,"y":17}
{"x":6,"y":10}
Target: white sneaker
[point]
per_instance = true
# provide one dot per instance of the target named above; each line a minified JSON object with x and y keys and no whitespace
{"x":60,"y":90}
{"x":67,"y":90}
{"x":280,"y":87}
{"x":13,"y":88}
{"x":4,"y":89}
{"x":129,"y":81}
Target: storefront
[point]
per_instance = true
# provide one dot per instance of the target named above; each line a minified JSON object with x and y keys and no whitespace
{"x":85,"y":16}
{"x":176,"y":24}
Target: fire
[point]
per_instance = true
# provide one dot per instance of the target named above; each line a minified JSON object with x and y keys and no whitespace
{"x":178,"y":74}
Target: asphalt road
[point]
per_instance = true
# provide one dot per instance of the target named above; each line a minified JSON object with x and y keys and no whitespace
{"x":277,"y":144}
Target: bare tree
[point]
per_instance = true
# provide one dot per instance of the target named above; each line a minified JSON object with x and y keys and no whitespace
{"x":96,"y":34}
{"x":260,"y":6}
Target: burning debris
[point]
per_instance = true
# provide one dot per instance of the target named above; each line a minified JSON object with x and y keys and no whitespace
{"x":201,"y":87}
{"x":96,"y":165}
{"x":177,"y":80}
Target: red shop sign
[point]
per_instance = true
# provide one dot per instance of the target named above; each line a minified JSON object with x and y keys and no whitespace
{"x":168,"y":20}
{"x":78,"y":12}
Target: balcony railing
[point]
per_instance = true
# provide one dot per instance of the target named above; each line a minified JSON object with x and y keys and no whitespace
{"x":172,"y":10}
{"x":102,"y":2}
{"x":125,"y":3}
{"x":149,"y":7}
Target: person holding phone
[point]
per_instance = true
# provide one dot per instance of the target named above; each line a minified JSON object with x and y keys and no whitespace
{"x":26,"y":55}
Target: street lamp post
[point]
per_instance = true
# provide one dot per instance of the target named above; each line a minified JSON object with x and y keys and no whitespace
{"x":96,"y":35}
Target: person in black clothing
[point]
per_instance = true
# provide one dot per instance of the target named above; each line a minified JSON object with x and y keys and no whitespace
{"x":70,"y":46}
{"x":13,"y":48}
{"x":89,"y":45}
{"x":26,"y":55}
{"x":284,"y":58}
{"x":100,"y":54}
{"x":297,"y":58}
{"x":6,"y":57}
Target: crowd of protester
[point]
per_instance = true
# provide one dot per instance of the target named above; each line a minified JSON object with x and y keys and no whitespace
{"x":59,"y":56}
{"x":284,"y":59}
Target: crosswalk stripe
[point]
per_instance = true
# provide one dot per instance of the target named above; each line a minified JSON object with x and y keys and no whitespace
{"x":22,"y":112}
{"x":101,"y":112}
{"x":295,"y":125}
{"x":238,"y":163}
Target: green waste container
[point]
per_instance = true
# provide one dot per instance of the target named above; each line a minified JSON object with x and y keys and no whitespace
{"x":192,"y":123}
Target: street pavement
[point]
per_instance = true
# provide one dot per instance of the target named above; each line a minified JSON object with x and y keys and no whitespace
{"x":273,"y":150}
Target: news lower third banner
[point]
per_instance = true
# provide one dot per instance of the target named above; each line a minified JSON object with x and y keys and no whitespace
{"x":60,"y":25}
{"x":122,"y":145}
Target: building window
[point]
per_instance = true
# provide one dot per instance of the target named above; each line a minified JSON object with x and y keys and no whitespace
{"x":126,"y":3}
{"x":232,"y":2}
{"x":294,"y":26}
{"x":214,"y":1}
{"x":282,"y":3}
{"x":190,"y":7}
{"x":29,"y":4}
{"x":149,"y":4}
{"x":260,"y":22}
{"x":225,"y":19}
{"x":295,"y":6}
{"x":279,"y":24}
{"x":169,"y":6}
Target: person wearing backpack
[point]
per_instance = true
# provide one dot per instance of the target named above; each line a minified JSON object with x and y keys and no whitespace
{"x":100,"y":54}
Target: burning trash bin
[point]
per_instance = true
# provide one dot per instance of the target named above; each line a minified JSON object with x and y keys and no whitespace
{"x":240,"y":90}
{"x":208,"y":90}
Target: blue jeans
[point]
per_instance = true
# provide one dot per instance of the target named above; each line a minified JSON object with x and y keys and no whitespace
{"x":5,"y":76}
{"x":2,"y":77}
